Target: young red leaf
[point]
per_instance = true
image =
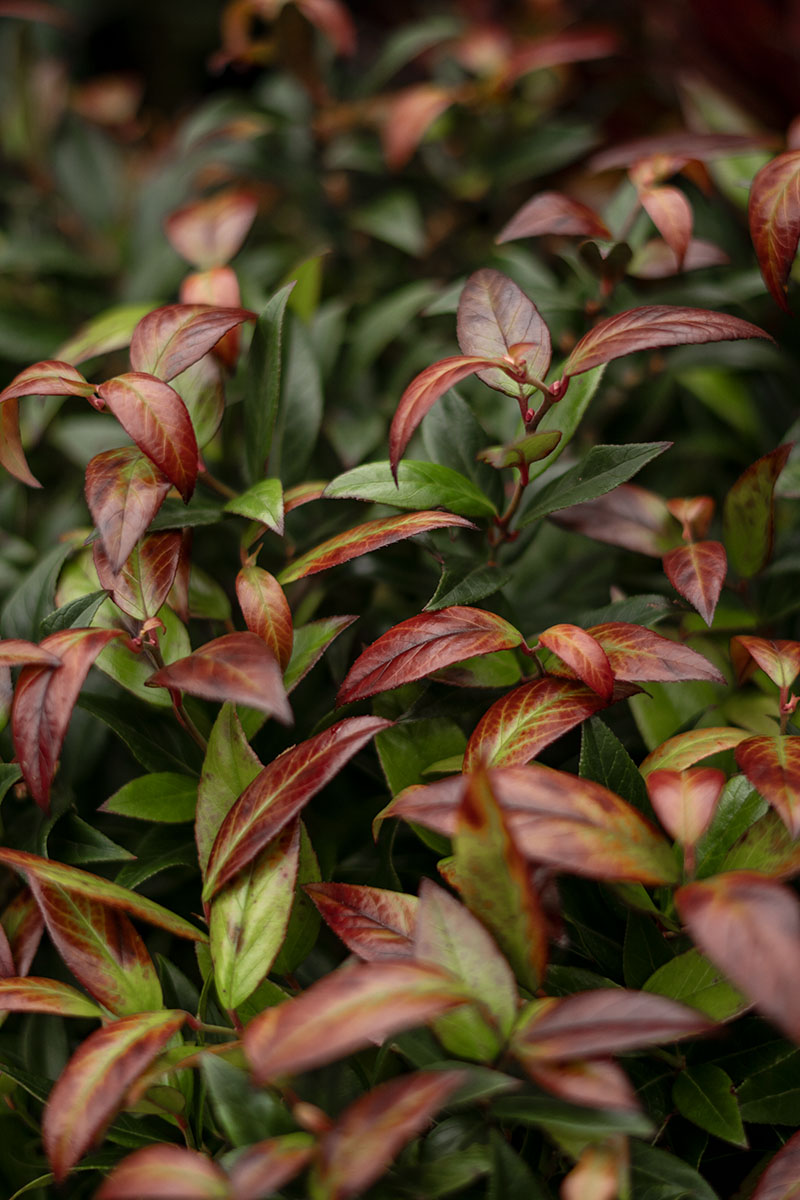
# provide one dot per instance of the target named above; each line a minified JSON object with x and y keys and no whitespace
{"x":700,"y":146}
{"x":237,"y":667}
{"x":685,"y":801}
{"x":685,"y":749}
{"x":408,"y":116}
{"x":45,"y":996}
{"x":266,"y":611}
{"x":636,"y":653}
{"x":583,"y":655}
{"x":424,"y":644}
{"x":209,"y":232}
{"x":494,"y":316}
{"x":265,"y":1167}
{"x":363,"y":539}
{"x":349,"y":1009}
{"x":48,"y":378}
{"x":333,"y":19}
{"x":124,"y":491}
{"x":749,"y":926}
{"x":772,"y":764}
{"x":628,"y":516}
{"x":16,"y":652}
{"x":143,"y":584}
{"x":651,"y":327}
{"x":218,"y":287}
{"x":697,"y":572}
{"x":372,"y":922}
{"x":170,"y":339}
{"x":655,"y":259}
{"x":43,"y":703}
{"x":12,"y":456}
{"x":423,"y":392}
{"x":779,"y":660}
{"x":748,"y":515}
{"x":156,"y":418}
{"x":598,"y":1083}
{"x":774,"y":215}
{"x":165,"y":1172}
{"x":694,"y":514}
{"x":280,"y":791}
{"x":553,"y":212}
{"x":23,"y":925}
{"x":671,"y":213}
{"x":370,"y":1133}
{"x":557,"y":49}
{"x":527,"y":719}
{"x":92,"y":1086}
{"x":781,"y":1180}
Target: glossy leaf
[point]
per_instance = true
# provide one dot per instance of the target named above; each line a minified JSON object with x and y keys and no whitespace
{"x":748,"y":518}
{"x":165,"y":1172}
{"x":636,"y":653}
{"x":209,"y":232}
{"x":553,"y":212}
{"x":30,"y":994}
{"x":363,"y":539}
{"x":156,"y":418}
{"x":671,"y":213}
{"x":124,"y":491}
{"x":704,"y":147}
{"x":627,"y":516}
{"x":774,"y":215}
{"x":92,"y":1086}
{"x":749,"y":926}
{"x":170,"y":339}
{"x":266,"y":611}
{"x":597,"y":1082}
{"x":772,"y":764}
{"x":697,"y":572}
{"x":781,"y":1180}
{"x":409,"y":115}
{"x":12,"y":455}
{"x":685,"y":801}
{"x":603,"y":469}
{"x":651,"y":327}
{"x":266,"y":1166}
{"x":263,"y":502}
{"x":583,"y":655}
{"x":779,"y":660}
{"x":424,"y":644}
{"x":351,"y":1009}
{"x":685,"y":749}
{"x":48,"y":378}
{"x":280,"y":791}
{"x":237,"y":667}
{"x":372,"y":922}
{"x":494,"y":316}
{"x":141,"y":587}
{"x":532,"y":448}
{"x":418,"y":485}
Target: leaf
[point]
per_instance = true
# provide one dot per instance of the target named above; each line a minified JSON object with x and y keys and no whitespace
{"x":141,"y":587}
{"x":170,"y":339}
{"x":48,"y":378}
{"x":597,"y":1082}
{"x":45,"y":996}
{"x":603,"y":469}
{"x":749,"y":926}
{"x":209,"y":232}
{"x":165,"y":1172}
{"x":695,"y":981}
{"x":350,"y":1008}
{"x":408,"y":116}
{"x":774,"y":216}
{"x":704,"y":147}
{"x":266,"y":611}
{"x":685,"y":749}
{"x":23,"y":926}
{"x":665,"y":1177}
{"x":12,"y":455}
{"x":494,"y":317}
{"x":370,"y":1132}
{"x":772,"y":764}
{"x":781,"y":1180}
{"x":161,"y":796}
{"x":155,"y":417}
{"x":671,"y":213}
{"x":566,"y":416}
{"x":553,"y":212}
{"x":263,"y":502}
{"x":363,"y":539}
{"x":655,"y":259}
{"x":92,"y":1086}
{"x":423,"y":644}
{"x":280,"y":791}
{"x":110,"y":330}
{"x":583,"y":655}
{"x":605,"y":760}
{"x":418,"y":485}
{"x":17,"y":652}
{"x":651,"y":327}
{"x":310,"y":643}
{"x":636,"y":653}
{"x":263,"y":388}
{"x":685,"y":801}
{"x":748,"y":516}
{"x":124,"y":491}
{"x":779,"y":660}
{"x":374,"y":923}
{"x":237,"y":667}
{"x":697,"y":572}
{"x":43,"y":703}
{"x":704,"y":1094}
{"x":532,"y":448}
{"x":266,"y":1166}
{"x":627,"y":516}
{"x":229,"y":766}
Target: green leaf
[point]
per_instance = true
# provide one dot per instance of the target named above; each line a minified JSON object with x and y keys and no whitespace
{"x":462,"y":582}
{"x":305,"y":920}
{"x":693,"y":980}
{"x":79,"y":843}
{"x":310,"y":643}
{"x":511,"y":1177}
{"x":739,"y":808}
{"x":565,"y":416}
{"x":263,"y":502}
{"x":161,"y":796}
{"x":603,"y":468}
{"x":605,"y":760}
{"x":419,"y":485}
{"x":452,"y":436}
{"x":453,"y":1172}
{"x":246,"y":1115}
{"x":771,"y":1095}
{"x":110,"y":330}
{"x":704,"y":1095}
{"x":300,"y":410}
{"x":131,"y":670}
{"x":644,"y":950}
{"x":229,"y":767}
{"x":394,"y":218}
{"x":32,"y":599}
{"x":264,"y":383}
{"x":10,"y":773}
{"x":174,"y":514}
{"x":385,"y":320}
{"x":408,"y":748}
{"x":157,"y":744}
{"x":77,"y":614}
{"x":657,"y":1175}
{"x":560,"y":1119}
{"x":748,"y":518}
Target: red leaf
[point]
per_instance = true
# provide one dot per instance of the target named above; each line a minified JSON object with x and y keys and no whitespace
{"x":208,"y":233}
{"x":671,"y":213}
{"x":143,"y":584}
{"x":12,"y":456}
{"x":423,"y":392}
{"x":774,"y":215}
{"x":527,"y":719}
{"x":48,"y":378}
{"x":628,"y":516}
{"x":557,"y":49}
{"x":651,"y":327}
{"x":553,"y":212}
{"x":363,"y":539}
{"x":7,"y":968}
{"x":782,"y":1176}
{"x":748,"y":515}
{"x":158,"y":421}
{"x":375,"y":924}
{"x":16,"y":652}
{"x":685,"y":801}
{"x":43,"y":703}
{"x":749,"y":926}
{"x":333,"y":19}
{"x":92,"y":1086}
{"x":371,"y":1132}
{"x":165,"y":1172}
{"x":218,"y":287}
{"x":280,"y":791}
{"x":772,"y":764}
{"x":238,"y":667}
{"x":700,"y":146}
{"x":266,"y":611}
{"x":598,"y":1083}
{"x":417,"y":647}
{"x":655,"y":259}
{"x":694,"y":514}
{"x":697,"y":572}
{"x":409,"y":114}
{"x":170,"y":339}
{"x":636,"y":653}
{"x":583,"y":655}
{"x":349,"y":1009}
{"x":494,"y":316}
{"x":23,"y":925}
{"x":265,"y":1167}
{"x":685,"y":749}
{"x":779,"y":660}
{"x":124,"y":491}
{"x":45,"y":996}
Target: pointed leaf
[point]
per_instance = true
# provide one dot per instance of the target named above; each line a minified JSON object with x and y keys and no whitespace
{"x":263,"y":502}
{"x":263,"y":393}
{"x":781,"y":1180}
{"x":280,"y":791}
{"x":238,"y":667}
{"x":417,"y":647}
{"x":155,"y":417}
{"x":532,"y":448}
{"x":160,"y":796}
{"x":43,"y":703}
{"x":375,"y":924}
{"x":409,"y":115}
{"x":23,"y":926}
{"x":692,"y":979}
{"x":627,"y":516}
{"x":671,"y":213}
{"x":774,"y":215}
{"x":124,"y":491}
{"x":371,"y":1132}
{"x":583,"y":655}
{"x":142,"y":586}
{"x":418,"y":485}
{"x":45,"y":996}
{"x":598,"y":1083}
{"x":16,"y":652}
{"x":266,"y":611}
{"x":494,"y":315}
{"x":705,"y":1095}
{"x":685,"y":749}
{"x":772,"y":764}
{"x":165,"y":1172}
{"x":310,"y":643}
{"x":229,"y":766}
{"x":110,"y":330}
{"x":780,"y":660}
{"x":363,"y":539}
{"x":749,"y":926}
{"x":209,"y":232}
{"x":603,"y":469}
{"x":651,"y":327}
{"x":92,"y":1086}
{"x":264,"y":1167}
{"x":748,"y":517}
{"x":350,"y":1009}
{"x":553,"y":212}
{"x":685,"y":801}
{"x":48,"y":378}
{"x":636,"y":653}
{"x":704,"y":147}
{"x":170,"y":339}
{"x":12,"y":455}
{"x":697,"y":572}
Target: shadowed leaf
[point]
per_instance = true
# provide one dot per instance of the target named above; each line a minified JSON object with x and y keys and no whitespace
{"x":264,"y":1167}
{"x":45,"y":996}
{"x":628,"y":516}
{"x":494,"y":315}
{"x":155,"y":417}
{"x":372,"y":922}
{"x":170,"y":339}
{"x":781,"y":1180}
{"x":124,"y":491}
{"x":705,"y":1095}
{"x":553,"y":212}
{"x":598,"y":1083}
{"x":263,"y":391}
{"x":772,"y":764}
{"x":12,"y":455}
{"x":557,"y":49}
{"x":748,"y":517}
{"x":700,"y":146}
{"x":774,"y":215}
{"x":266,"y":611}
{"x":697,"y":572}
{"x":143,"y":584}
{"x":209,"y":232}
{"x":583,"y":655}
{"x":409,"y":114}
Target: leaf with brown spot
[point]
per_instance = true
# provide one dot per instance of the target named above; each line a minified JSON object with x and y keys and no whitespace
{"x":48,"y":378}
{"x":45,"y":996}
{"x":374,"y":923}
{"x":165,"y":1172}
{"x":697,"y":572}
{"x":156,"y":418}
{"x":12,"y":456}
{"x":408,"y":116}
{"x":494,"y":316}
{"x":685,"y":801}
{"x":779,"y":660}
{"x":774,"y":216}
{"x":628,"y":516}
{"x":553,"y":212}
{"x":637,"y":654}
{"x":685,"y":749}
{"x":772,"y":764}
{"x":143,"y":584}
{"x":124,"y":491}
{"x":583,"y":655}
{"x":748,"y":515}
{"x":209,"y":232}
{"x":170,"y":339}
{"x":671,"y":213}
{"x":266,"y":611}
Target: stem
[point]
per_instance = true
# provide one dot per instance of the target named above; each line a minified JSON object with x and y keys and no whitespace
{"x":547,"y":403}
{"x":217,"y":485}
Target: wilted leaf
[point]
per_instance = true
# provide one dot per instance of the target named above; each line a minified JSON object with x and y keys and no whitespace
{"x":671,"y":213}
{"x":628,"y":516}
{"x":409,"y":114}
{"x":685,"y":801}
{"x":494,"y":316}
{"x":48,"y":378}
{"x":45,"y":996}
{"x":637,"y":653}
{"x":155,"y":417}
{"x":781,"y":1180}
{"x":553,"y":212}
{"x":774,"y":215}
{"x":772,"y":764}
{"x":779,"y":660}
{"x":372,"y":922}
{"x":143,"y":584}
{"x":209,"y":232}
{"x":697,"y":571}
{"x":124,"y":491}
{"x":417,"y":485}
{"x":12,"y":455}
{"x":748,"y":518}
{"x":266,"y":611}
{"x":583,"y":655}
{"x":170,"y":339}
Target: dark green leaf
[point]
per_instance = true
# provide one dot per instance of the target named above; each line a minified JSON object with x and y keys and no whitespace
{"x":244,"y":1114}
{"x":657,"y":1175}
{"x":740,"y":807}
{"x":704,"y":1095}
{"x":772,"y":1095}
{"x":511,"y":1177}
{"x":419,"y":485}
{"x":76,"y":614}
{"x":603,"y":468}
{"x":605,"y":760}
{"x":464,"y":583}
{"x":32,"y":599}
{"x":264,"y":383}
